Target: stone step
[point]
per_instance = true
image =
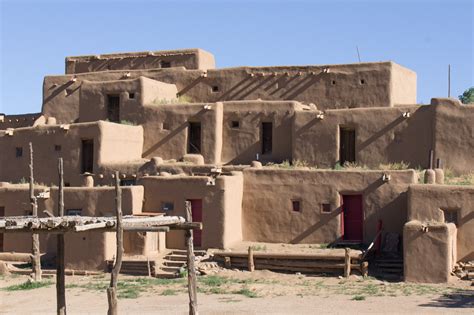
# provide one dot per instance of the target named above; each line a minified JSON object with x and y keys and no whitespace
{"x":170,"y":263}
{"x":174,"y":257}
{"x":184,"y":252}
{"x":165,"y":275}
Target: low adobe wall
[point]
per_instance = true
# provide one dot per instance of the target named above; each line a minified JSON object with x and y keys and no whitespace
{"x":17,"y":121}
{"x":426,"y":202}
{"x":221,"y":205}
{"x":268,"y":193}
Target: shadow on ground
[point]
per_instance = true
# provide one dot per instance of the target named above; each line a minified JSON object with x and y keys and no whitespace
{"x":455,"y":299}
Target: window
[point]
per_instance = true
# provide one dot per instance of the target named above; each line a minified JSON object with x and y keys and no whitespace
{"x":333,"y":82}
{"x":128,"y":182}
{"x":346,"y":145}
{"x":131,"y":95}
{"x":74,"y":212}
{"x":113,"y":108}
{"x":165,"y":64}
{"x":215,"y":89}
{"x":325,"y":207}
{"x":194,"y":137}
{"x":267,"y":137}
{"x":165,"y":126}
{"x":19,"y":152}
{"x":362,"y":81}
{"x":57,"y":147}
{"x":167,"y":206}
{"x":235,"y":124}
{"x":87,"y":156}
{"x":296,"y":205}
{"x":450,"y":216}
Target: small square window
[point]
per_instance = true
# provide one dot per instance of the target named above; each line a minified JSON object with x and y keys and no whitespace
{"x":235,"y":124}
{"x":296,"y":205}
{"x":57,"y":147}
{"x":450,"y":216}
{"x":333,"y":82}
{"x":325,"y":207}
{"x":76,"y":212}
{"x":19,"y":152}
{"x":67,"y":184}
{"x":215,"y":89}
{"x":165,"y":126}
{"x":131,"y":96}
{"x":128,"y":182}
{"x":165,"y":64}
{"x":167,"y":206}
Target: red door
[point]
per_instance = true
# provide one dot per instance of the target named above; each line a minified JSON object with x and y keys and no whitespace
{"x":353,"y":218}
{"x":196,"y":209}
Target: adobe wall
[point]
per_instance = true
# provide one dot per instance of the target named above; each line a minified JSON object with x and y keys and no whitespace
{"x":133,"y":94}
{"x":383,"y":135}
{"x":17,"y":121}
{"x":267,"y":209}
{"x":344,"y":86}
{"x":429,"y":251}
{"x":221,"y":205}
{"x":403,"y":85}
{"x":187,"y":58}
{"x":52,"y":141}
{"x":426,"y":201}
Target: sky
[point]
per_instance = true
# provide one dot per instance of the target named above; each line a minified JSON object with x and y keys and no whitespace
{"x":423,"y":35}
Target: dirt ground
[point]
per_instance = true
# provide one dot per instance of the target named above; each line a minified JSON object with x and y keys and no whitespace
{"x":240,"y":292}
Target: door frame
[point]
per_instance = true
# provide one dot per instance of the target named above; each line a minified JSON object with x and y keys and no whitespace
{"x":341,"y":196}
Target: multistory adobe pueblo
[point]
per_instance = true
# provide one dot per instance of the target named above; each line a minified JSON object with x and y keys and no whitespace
{"x":286,"y":154}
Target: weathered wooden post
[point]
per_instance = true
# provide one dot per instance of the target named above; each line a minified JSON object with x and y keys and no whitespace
{"x":191,"y":269}
{"x":35,"y":248}
{"x":60,"y":274}
{"x":112,"y":290}
{"x":251,"y":265}
{"x":347,"y":263}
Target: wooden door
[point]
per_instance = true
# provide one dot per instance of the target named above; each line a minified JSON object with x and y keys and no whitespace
{"x":87,"y":159}
{"x":194,"y":138}
{"x":353,"y":218}
{"x":267,"y":137}
{"x":113,"y":108}
{"x":196,"y":209}
{"x":346,"y":145}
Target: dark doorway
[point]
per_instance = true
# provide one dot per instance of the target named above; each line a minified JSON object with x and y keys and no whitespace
{"x":194,"y":137}
{"x":2,"y":214}
{"x":87,"y":156}
{"x":113,"y":108}
{"x":353,"y":218}
{"x":196,"y":209}
{"x":267,"y":137}
{"x":346,"y":145}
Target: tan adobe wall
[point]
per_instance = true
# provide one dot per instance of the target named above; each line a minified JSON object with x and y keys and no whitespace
{"x":53,"y":141}
{"x":403,"y":86}
{"x":17,"y":121}
{"x":454,"y":137}
{"x":341,"y":87}
{"x":133,"y":94}
{"x":429,"y":251}
{"x":426,"y":202}
{"x":84,"y":251}
{"x":187,"y":58}
{"x":267,"y":207}
{"x":383,"y":135}
{"x":221,"y":205}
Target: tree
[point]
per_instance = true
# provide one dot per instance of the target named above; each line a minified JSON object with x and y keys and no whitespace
{"x":468,"y":96}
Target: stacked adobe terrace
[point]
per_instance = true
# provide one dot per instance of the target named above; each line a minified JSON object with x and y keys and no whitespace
{"x":259,"y":151}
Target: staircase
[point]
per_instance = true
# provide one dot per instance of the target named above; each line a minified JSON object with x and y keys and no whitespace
{"x":389,"y":267}
{"x":140,"y":266}
{"x":173,"y":262}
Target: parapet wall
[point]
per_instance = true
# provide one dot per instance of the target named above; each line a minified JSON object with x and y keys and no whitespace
{"x":17,"y":121}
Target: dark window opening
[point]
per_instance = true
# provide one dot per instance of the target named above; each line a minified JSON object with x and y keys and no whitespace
{"x":167,"y":206}
{"x":67,"y":184}
{"x":57,"y":147}
{"x":296,"y":205}
{"x":267,"y":137}
{"x":128,"y":182}
{"x":235,"y":124}
{"x":19,"y":152}
{"x":194,"y":137}
{"x":346,"y":145}
{"x":325,"y":207}
{"x":113,"y":108}
{"x":362,"y":81}
{"x":165,"y":64}
{"x":215,"y":89}
{"x":131,"y":95}
{"x":333,"y":82}
{"x":165,"y":126}
{"x":450,"y":216}
{"x":87,"y":156}
{"x":74,"y":212}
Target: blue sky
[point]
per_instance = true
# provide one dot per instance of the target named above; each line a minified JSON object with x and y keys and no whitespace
{"x":426,"y":36}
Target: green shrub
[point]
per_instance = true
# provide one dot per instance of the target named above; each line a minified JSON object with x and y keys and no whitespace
{"x":28,"y":285}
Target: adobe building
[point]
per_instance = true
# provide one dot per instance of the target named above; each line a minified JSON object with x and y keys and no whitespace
{"x":296,"y":154}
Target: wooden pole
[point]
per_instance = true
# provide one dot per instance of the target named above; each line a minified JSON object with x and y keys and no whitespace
{"x":112,"y":290}
{"x":60,"y":269}
{"x":35,"y":248}
{"x":251,"y":265}
{"x":347,"y":263}
{"x":191,"y":270}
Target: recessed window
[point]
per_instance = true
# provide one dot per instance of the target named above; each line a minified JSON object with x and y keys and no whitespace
{"x":19,"y":152}
{"x":235,"y":124}
{"x":165,"y":126}
{"x":333,"y":82}
{"x":450,"y":216}
{"x":67,"y":184}
{"x":167,"y":206}
{"x":325,"y":207}
{"x":362,"y":81}
{"x":215,"y":89}
{"x":77,"y":212}
{"x":165,"y":64}
{"x":128,"y":182}
{"x":296,"y":205}
{"x":131,"y":96}
{"x":57,"y":147}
